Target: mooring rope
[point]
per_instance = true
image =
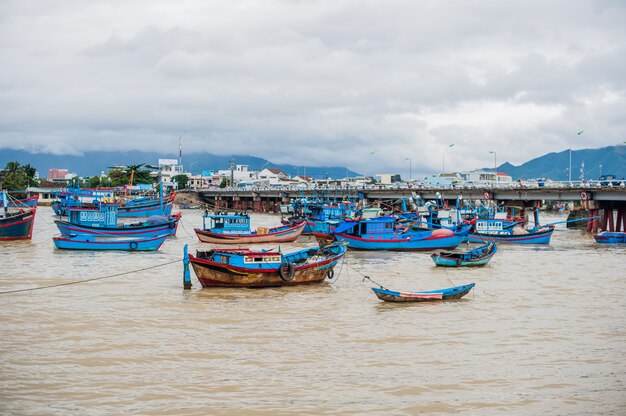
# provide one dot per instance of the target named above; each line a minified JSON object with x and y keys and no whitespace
{"x":89,"y":280}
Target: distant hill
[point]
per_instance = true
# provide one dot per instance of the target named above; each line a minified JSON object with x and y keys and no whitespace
{"x":555,"y":165}
{"x":92,"y":163}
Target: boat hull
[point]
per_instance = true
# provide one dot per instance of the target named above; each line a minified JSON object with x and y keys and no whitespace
{"x":472,"y":258}
{"x":456,"y":292}
{"x":21,"y":203}
{"x":610,"y":238}
{"x":104,"y":243}
{"x":447,"y":242}
{"x":169,"y":228}
{"x":18,"y":226}
{"x":212,"y":274}
{"x":541,"y":237}
{"x":281,"y":236}
{"x":147,"y":210}
{"x":444,"y":262}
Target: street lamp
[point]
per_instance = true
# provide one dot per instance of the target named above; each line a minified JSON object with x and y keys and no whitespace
{"x":443,"y":159}
{"x":410,"y":167}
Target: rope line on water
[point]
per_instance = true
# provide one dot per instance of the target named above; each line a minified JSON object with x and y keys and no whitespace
{"x":89,"y":280}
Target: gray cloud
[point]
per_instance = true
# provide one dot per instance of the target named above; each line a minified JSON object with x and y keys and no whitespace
{"x":316,"y":82}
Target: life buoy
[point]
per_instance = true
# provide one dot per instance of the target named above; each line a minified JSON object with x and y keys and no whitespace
{"x":330,"y":274}
{"x":286,"y":271}
{"x":133,"y":245}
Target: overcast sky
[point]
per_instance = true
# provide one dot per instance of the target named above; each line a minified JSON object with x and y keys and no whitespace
{"x":363,"y":84}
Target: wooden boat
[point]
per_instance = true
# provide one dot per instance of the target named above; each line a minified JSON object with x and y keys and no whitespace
{"x":456,"y":292}
{"x":380,"y":234}
{"x":502,"y":231}
{"x":83,"y":242}
{"x":242,"y":267}
{"x":103,"y":221}
{"x":235,"y":229}
{"x":472,"y":258}
{"x":611,"y":237}
{"x":515,"y":235}
{"x":16,"y":224}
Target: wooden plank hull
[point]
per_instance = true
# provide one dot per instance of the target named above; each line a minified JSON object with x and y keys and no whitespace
{"x":18,"y":226}
{"x":456,"y":292}
{"x":212,"y":273}
{"x":282,"y":236}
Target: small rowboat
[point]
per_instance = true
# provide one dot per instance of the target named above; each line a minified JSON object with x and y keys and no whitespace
{"x":456,"y":292}
{"x":82,"y":242}
{"x":609,"y":237}
{"x":473,"y":258}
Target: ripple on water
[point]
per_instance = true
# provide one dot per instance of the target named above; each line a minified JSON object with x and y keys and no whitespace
{"x":536,"y":335}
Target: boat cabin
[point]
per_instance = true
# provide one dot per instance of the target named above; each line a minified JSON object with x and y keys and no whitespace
{"x":226,"y":223}
{"x":374,"y":226}
{"x":105,"y":216}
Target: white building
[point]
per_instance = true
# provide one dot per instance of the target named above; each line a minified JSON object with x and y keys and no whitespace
{"x":486,"y":176}
{"x":168,"y":168}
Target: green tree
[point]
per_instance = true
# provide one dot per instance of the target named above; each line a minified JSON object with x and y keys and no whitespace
{"x":16,"y":177}
{"x":181,"y":180}
{"x":122,"y":176}
{"x":95,"y":181}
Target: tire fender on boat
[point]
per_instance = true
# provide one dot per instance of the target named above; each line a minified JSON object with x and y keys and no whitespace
{"x":172,"y":225}
{"x":133,"y":245}
{"x":286,"y":271}
{"x":330,"y":273}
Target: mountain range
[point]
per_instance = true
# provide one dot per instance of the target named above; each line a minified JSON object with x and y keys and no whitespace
{"x":606,"y":160}
{"x":93,"y":163}
{"x":555,"y":166}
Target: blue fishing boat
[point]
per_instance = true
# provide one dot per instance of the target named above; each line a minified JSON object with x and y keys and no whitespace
{"x":611,"y":237}
{"x":380,"y":234}
{"x":476,"y":257}
{"x":84,"y":242}
{"x":497,"y":230}
{"x":456,"y":292}
{"x":15,"y":223}
{"x":21,"y":203}
{"x":225,"y":228}
{"x":146,"y":209}
{"x":242,"y":267}
{"x":103,"y":221}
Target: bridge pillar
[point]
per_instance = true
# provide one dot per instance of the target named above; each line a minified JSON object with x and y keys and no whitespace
{"x":605,"y":219}
{"x":620,"y":223}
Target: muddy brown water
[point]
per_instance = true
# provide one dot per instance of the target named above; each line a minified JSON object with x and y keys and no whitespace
{"x":543,"y":332}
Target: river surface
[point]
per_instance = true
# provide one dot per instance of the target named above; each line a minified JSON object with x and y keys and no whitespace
{"x":543,"y":332}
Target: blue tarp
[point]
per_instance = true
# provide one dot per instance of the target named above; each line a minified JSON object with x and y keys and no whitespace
{"x":345,"y":227}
